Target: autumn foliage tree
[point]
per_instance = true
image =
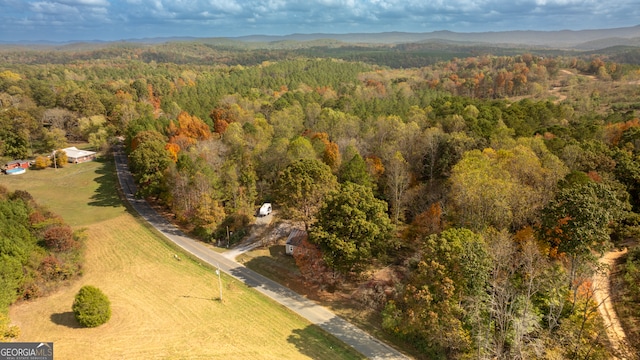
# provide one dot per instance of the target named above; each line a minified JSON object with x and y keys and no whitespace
{"x":313,"y":268}
{"x":613,"y":132}
{"x":188,"y":130}
{"x":153,"y":98}
{"x":375,"y":166}
{"x":428,"y":222}
{"x":222,"y":116}
{"x":174,"y":150}
{"x":42,"y":162}
{"x":60,"y":158}
{"x":329,"y":151}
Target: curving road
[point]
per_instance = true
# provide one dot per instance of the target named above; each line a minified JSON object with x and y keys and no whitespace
{"x":316,"y":314}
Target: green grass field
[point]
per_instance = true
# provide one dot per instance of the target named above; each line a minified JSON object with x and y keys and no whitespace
{"x":163,"y":308}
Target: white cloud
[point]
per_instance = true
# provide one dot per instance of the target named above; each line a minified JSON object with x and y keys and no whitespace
{"x":52,"y":8}
{"x":85,"y":2}
{"x":65,"y":15}
{"x":564,"y":2}
{"x":142,"y":18}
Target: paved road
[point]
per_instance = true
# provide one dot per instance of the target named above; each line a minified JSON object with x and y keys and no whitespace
{"x":316,"y":314}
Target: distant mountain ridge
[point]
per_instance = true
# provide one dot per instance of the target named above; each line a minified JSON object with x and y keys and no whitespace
{"x":565,"y":39}
{"x":578,"y":39}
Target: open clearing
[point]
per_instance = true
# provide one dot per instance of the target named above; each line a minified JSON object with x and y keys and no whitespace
{"x":163,"y":308}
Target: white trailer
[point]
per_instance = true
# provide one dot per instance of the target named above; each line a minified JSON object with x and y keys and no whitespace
{"x":265,"y":209}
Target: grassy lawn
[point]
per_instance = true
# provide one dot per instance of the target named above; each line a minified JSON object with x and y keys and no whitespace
{"x":82,"y":194}
{"x":163,"y":308}
{"x":272,"y":262}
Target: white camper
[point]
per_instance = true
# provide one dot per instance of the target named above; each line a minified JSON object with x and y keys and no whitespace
{"x":265,"y":209}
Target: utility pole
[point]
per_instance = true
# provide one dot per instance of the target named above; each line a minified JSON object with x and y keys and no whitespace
{"x":219,"y":281}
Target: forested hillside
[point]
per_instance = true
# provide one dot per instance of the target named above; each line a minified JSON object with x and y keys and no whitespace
{"x":487,"y":185}
{"x":37,"y":252}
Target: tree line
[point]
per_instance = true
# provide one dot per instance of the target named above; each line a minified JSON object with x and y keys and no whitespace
{"x":38,"y":251}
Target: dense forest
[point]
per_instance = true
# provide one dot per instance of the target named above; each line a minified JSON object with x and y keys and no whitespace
{"x":489,"y":184}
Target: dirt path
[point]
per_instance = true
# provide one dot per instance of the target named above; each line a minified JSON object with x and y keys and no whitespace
{"x":602,"y":294}
{"x":560,"y":89}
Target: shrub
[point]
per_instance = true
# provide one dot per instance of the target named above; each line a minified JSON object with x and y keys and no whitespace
{"x":60,"y":238}
{"x":91,"y":307}
{"x":42,"y":162}
{"x":61,"y":158}
{"x":51,"y":268}
{"x":7,"y":331}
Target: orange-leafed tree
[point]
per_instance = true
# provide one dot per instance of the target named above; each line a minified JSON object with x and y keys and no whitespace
{"x":375,"y":166}
{"x":173,"y":150}
{"x":313,"y":268}
{"x":154,"y":100}
{"x":331,"y":156}
{"x":222,"y":116}
{"x":613,"y":132}
{"x":328,"y":150}
{"x":193,"y":127}
{"x":428,"y":222}
{"x":182,"y":141}
{"x":309,"y":260}
{"x":187,"y":130}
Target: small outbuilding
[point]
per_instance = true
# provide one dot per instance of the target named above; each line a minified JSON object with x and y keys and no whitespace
{"x":76,"y":156}
{"x":15,"y":164}
{"x":296,"y":237}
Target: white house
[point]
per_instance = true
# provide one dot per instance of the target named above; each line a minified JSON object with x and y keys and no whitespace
{"x":74,"y":155}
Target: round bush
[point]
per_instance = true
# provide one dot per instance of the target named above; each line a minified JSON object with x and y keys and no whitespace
{"x":91,"y":307}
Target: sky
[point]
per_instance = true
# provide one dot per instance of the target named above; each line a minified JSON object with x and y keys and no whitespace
{"x":70,"y":20}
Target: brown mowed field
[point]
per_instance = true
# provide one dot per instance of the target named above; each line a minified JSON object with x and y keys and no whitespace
{"x":162,"y":308}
